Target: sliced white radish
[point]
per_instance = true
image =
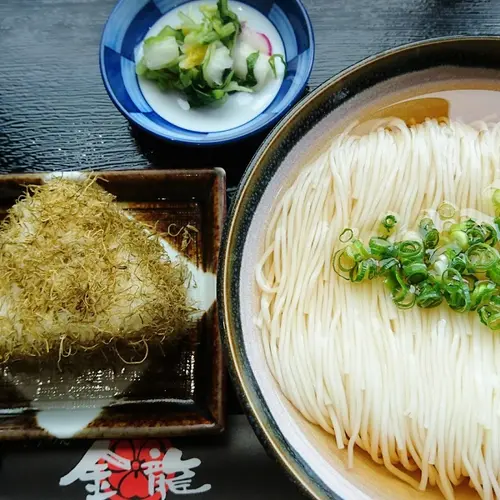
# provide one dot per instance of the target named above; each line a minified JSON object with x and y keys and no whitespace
{"x":241,"y":52}
{"x":258,"y":41}
{"x":262,"y":71}
{"x":219,"y":59}
{"x":160,"y":53}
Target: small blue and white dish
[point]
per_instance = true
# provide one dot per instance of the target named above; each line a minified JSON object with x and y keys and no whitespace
{"x":164,"y":114}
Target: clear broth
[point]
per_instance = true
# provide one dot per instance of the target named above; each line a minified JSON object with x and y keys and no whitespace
{"x":466,"y":101}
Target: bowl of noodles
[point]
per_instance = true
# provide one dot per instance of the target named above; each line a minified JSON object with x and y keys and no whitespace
{"x":359,"y":285}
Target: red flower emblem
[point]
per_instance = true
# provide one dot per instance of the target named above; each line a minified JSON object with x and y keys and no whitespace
{"x":133,"y":484}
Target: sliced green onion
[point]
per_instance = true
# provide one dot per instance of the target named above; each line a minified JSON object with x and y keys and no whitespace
{"x":496,"y":199}
{"x":407,"y":302}
{"x":439,"y":267}
{"x":388,"y":224}
{"x":428,"y":295}
{"x":482,"y":293}
{"x":493,"y":273}
{"x":463,"y":225}
{"x":460,"y":238}
{"x":429,"y":233}
{"x":491,"y":233}
{"x":446,"y":211}
{"x":441,"y":258}
{"x":386,"y":265}
{"x":415,"y":272}
{"x":410,"y":250}
{"x":476,"y":234}
{"x":366,"y":269}
{"x":396,"y":284}
{"x":448,"y":266}
{"x":401,"y":294}
{"x":458,"y":296}
{"x":450,"y":251}
{"x":471,"y":281}
{"x":357,"y":250}
{"x":459,"y":263}
{"x":494,"y":322}
{"x":346,"y":235}
{"x":447,"y":225}
{"x":451,"y":276}
{"x":481,"y":257}
{"x":490,"y":316}
{"x":342,"y":267}
{"x":426,"y":225}
{"x":380,"y":247}
{"x":496,"y":221}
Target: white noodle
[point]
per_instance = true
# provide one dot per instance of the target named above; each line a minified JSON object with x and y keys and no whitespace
{"x":416,"y":389}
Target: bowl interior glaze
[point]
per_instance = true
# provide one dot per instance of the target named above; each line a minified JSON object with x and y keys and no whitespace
{"x":308,"y":453}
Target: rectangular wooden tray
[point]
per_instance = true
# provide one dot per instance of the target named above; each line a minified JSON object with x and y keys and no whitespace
{"x":177,"y":391}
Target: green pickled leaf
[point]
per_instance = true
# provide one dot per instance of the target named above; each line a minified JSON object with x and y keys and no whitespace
{"x":226,"y":30}
{"x":235,"y":87}
{"x":207,"y":37}
{"x":185,"y":78}
{"x":272,"y":63}
{"x":141,"y":69}
{"x":250,"y":80}
{"x":225,"y":12}
{"x":210,"y":12}
{"x":169,"y":31}
{"x":219,"y":26}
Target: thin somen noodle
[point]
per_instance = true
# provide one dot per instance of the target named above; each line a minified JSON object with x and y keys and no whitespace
{"x":417,"y":389}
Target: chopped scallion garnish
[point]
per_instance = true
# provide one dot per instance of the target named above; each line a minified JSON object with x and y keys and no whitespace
{"x":459,"y":265}
{"x":446,"y":211}
{"x":346,"y":235}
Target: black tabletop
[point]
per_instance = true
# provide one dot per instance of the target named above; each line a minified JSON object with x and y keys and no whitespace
{"x":56,"y":115}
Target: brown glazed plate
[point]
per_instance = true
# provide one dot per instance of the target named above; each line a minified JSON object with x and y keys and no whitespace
{"x":308,"y":453}
{"x":178,"y":390}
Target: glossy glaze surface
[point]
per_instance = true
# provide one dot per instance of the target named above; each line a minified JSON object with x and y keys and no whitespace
{"x":179,"y":389}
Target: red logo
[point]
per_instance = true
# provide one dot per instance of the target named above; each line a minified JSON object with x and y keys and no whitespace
{"x":134,"y":484}
{"x":135,"y":470}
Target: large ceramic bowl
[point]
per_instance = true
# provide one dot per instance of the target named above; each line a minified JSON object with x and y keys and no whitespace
{"x":309,"y":454}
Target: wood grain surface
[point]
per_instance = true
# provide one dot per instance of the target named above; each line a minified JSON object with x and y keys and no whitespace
{"x":56,"y":115}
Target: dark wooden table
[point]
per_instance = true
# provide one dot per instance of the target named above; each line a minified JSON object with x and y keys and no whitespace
{"x":56,"y":115}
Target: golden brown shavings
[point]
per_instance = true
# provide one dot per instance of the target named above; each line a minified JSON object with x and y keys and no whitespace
{"x":76,"y":272}
{"x":188,"y":233}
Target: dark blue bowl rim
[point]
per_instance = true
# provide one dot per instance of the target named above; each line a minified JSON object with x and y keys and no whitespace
{"x":194,"y":142}
{"x":259,"y":415}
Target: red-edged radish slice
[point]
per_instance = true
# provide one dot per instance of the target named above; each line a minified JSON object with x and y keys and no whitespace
{"x":258,"y":41}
